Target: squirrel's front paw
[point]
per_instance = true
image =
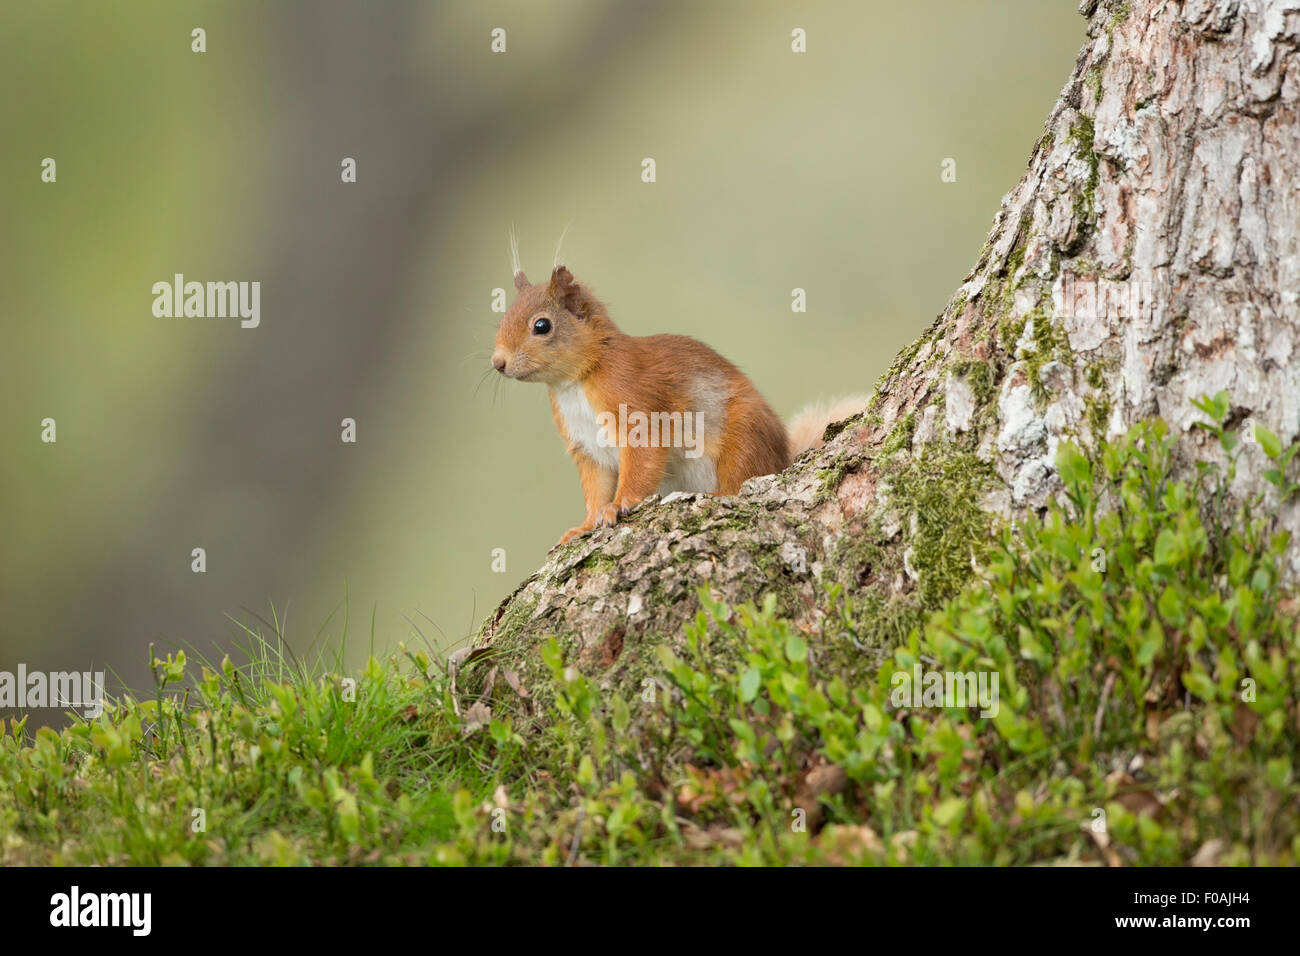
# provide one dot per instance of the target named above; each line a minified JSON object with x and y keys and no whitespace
{"x":614,"y":510}
{"x":574,"y":533}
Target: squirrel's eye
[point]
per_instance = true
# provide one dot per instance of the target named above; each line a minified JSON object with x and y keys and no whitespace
{"x":541,"y":326}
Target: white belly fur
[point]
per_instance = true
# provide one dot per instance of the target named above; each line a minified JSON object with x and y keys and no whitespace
{"x":689,"y":474}
{"x":580,"y":423}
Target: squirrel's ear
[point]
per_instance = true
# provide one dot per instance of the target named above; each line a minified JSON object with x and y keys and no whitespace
{"x":521,"y":281}
{"x":565,"y":288}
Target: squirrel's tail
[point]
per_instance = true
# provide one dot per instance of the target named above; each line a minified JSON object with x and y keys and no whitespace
{"x":806,"y":428}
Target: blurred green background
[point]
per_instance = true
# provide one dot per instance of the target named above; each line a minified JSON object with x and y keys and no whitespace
{"x":775,"y":171}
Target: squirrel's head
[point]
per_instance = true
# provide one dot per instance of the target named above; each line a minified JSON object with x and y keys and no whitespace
{"x":552,"y":333}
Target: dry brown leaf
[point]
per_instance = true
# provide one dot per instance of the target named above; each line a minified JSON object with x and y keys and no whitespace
{"x":713,"y":837}
{"x":516,"y":684}
{"x":1102,"y":840}
{"x":467,"y":655}
{"x":478,"y":716}
{"x":1209,"y":853}
{"x":1133,"y":796}
{"x":1244,"y":722}
{"x":825,"y":779}
{"x":845,"y":844}
{"x":902,"y":843}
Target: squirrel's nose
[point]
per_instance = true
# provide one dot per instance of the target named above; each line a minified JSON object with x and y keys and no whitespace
{"x":499,"y":363}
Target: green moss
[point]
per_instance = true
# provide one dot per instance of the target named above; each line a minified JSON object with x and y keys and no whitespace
{"x":1015,"y":259}
{"x":939,"y":490}
{"x":517,"y":614}
{"x":900,"y":364}
{"x":979,"y":376}
{"x":1097,"y":409}
{"x":931,"y":497}
{"x":1049,"y":337}
{"x":877,"y":620}
{"x":1009,"y":331}
{"x":999,"y":293}
{"x":829,"y":478}
{"x":1082,"y":137}
{"x":509,"y":640}
{"x":863,"y":565}
{"x":780,"y":581}
{"x":1093,"y":81}
{"x":1050,"y":345}
{"x":737,"y":516}
{"x":900,"y":436}
{"x":834,"y":428}
{"x":598,"y":562}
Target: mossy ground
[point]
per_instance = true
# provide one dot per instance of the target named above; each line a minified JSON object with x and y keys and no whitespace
{"x":1148,"y":714}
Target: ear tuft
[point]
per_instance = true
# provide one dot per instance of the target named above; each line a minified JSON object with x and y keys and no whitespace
{"x":565,"y":288}
{"x":521,"y":281}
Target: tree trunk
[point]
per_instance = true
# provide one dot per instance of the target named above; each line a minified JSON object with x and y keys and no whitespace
{"x":1149,"y":255}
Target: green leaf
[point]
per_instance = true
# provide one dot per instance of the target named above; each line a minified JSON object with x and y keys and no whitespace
{"x":872,"y":717}
{"x":749,"y":683}
{"x":1169,"y":547}
{"x":1073,"y":466}
{"x":552,"y":657}
{"x":462,"y":808}
{"x":1170,"y":605}
{"x":1199,"y":683}
{"x":1279,"y":772}
{"x":620,"y":716}
{"x":838,"y":692}
{"x":1151,"y":645}
{"x":744,"y":732}
{"x":1221,"y":405}
{"x":1216,"y":407}
{"x":1271,"y":444}
{"x":949,"y":810}
{"x":795,"y":649}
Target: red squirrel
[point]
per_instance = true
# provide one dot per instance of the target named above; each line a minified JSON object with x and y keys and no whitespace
{"x":644,"y":415}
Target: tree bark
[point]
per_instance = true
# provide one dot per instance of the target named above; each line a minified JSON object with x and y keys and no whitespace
{"x":1149,"y":255}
